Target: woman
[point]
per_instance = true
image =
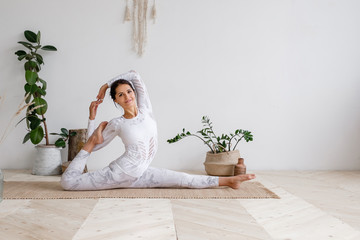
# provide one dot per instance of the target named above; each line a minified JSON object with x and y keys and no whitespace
{"x":138,"y":131}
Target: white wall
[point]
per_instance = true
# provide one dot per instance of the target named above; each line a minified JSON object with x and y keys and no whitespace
{"x":289,"y":71}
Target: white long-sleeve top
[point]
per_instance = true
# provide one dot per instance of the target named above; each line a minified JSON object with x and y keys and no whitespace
{"x":139,"y":134}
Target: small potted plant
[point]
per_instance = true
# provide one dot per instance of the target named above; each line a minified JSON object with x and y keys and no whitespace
{"x":64,"y":137}
{"x":223,"y":156}
{"x":48,"y":160}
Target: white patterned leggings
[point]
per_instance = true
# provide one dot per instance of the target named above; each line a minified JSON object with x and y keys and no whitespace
{"x":110,"y":177}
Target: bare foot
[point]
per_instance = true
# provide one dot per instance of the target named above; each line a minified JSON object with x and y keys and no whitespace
{"x":235,"y":181}
{"x":97,"y":135}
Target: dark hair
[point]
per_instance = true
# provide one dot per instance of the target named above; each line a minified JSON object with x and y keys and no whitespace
{"x":115,"y":84}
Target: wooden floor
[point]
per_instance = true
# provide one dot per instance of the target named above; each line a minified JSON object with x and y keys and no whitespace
{"x":313,"y":205}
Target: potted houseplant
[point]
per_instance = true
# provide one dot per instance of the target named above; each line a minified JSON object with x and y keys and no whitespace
{"x":223,"y":156}
{"x":48,"y":160}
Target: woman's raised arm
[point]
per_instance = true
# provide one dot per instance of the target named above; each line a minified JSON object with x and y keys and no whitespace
{"x":142,"y":95}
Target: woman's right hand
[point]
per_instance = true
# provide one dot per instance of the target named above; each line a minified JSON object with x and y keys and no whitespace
{"x":93,"y":109}
{"x":102,"y":91}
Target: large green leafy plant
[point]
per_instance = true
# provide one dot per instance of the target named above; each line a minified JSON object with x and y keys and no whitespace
{"x":217,"y":144}
{"x":35,"y":87}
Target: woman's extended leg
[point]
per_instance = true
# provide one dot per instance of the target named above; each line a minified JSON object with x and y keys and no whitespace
{"x":74,"y":179}
{"x":158,"y":177}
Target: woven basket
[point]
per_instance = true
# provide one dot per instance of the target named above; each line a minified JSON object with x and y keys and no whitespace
{"x":221,"y":164}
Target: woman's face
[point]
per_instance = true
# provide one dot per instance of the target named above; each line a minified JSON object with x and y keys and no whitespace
{"x":125,"y":96}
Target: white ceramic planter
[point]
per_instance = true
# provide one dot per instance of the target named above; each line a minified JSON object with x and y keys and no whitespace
{"x":48,"y":160}
{"x":221,"y":164}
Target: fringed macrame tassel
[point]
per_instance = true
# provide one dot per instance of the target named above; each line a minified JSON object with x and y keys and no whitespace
{"x":139,"y":18}
{"x":144,"y":27}
{"x":135,"y":25}
{"x":127,"y":13}
{"x":153,"y":12}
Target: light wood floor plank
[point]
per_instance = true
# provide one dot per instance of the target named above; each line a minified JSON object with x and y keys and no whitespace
{"x":129,"y":219}
{"x":45,"y":219}
{"x":334,"y":192}
{"x":214,"y":219}
{"x":293,"y":218}
{"x":25,"y":175}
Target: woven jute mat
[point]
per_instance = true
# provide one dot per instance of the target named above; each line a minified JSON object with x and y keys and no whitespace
{"x":53,"y":190}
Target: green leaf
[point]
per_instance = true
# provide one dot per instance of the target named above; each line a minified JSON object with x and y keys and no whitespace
{"x":27,"y":88}
{"x":26,"y":138}
{"x":28,"y":122}
{"x":35,"y":88}
{"x":65,"y":131}
{"x":248,"y":136}
{"x":30,"y":65}
{"x":20,"y":53}
{"x":73,"y":134}
{"x":35,"y":123}
{"x":29,"y":57}
{"x":54,"y":134}
{"x":49,"y":48}
{"x":41,"y":91}
{"x":44,"y":85}
{"x":39,"y":58}
{"x":31,"y":77}
{"x":30,"y":88}
{"x":21,"y":57}
{"x":20,"y":121}
{"x":63,"y":135}
{"x":60,"y":143}
{"x":36,"y":135}
{"x":38,"y":36}
{"x":30,"y":36}
{"x":38,"y":102}
{"x":27,"y":45}
{"x":32,"y":118}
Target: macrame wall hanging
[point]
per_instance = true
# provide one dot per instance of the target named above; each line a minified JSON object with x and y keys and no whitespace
{"x":138,"y":16}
